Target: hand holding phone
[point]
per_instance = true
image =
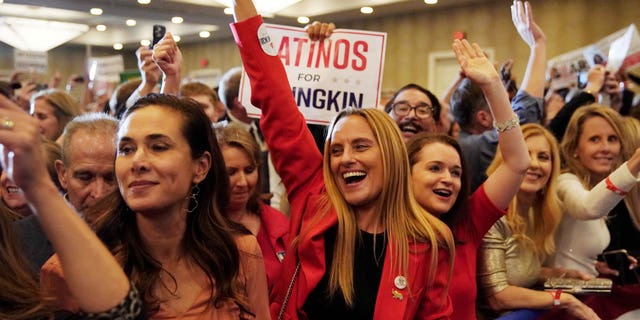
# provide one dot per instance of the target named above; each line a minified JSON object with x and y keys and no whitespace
{"x":158,"y":33}
{"x":623,"y":263}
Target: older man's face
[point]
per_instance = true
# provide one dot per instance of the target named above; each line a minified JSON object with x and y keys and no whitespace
{"x":90,"y":174}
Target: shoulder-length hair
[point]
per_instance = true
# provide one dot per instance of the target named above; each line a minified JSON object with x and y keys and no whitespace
{"x":208,"y":237}
{"x":536,"y":230}
{"x":65,"y":107}
{"x":234,"y":136}
{"x":457,"y":213}
{"x":572,"y":137}
{"x":401,"y":216}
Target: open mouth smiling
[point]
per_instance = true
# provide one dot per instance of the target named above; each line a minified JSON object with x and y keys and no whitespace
{"x":353,"y":176}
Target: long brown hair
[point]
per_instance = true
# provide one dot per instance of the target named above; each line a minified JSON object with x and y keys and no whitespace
{"x":401,"y":216}
{"x":209,"y":236}
{"x":20,"y":297}
{"x":457,"y":213}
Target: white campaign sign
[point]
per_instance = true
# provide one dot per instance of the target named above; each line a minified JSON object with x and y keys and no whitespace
{"x":622,"y":46}
{"x":326,"y":77}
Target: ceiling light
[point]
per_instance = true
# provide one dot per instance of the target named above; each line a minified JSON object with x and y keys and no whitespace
{"x":96,"y":11}
{"x":303,"y":20}
{"x":38,"y":35}
{"x":118,"y":46}
{"x":228,"y":11}
{"x":176,"y":38}
{"x":366,"y":10}
{"x":144,"y":1}
{"x":430,"y":1}
{"x":131,"y":22}
{"x":101,"y":27}
{"x":145,"y":42}
{"x":204,"y":34}
{"x":177,"y":19}
{"x":266,"y":6}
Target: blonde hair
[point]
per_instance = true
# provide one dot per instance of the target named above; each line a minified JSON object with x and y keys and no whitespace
{"x":401,"y":216}
{"x":65,"y":107}
{"x":536,"y":230}
{"x":572,"y":137}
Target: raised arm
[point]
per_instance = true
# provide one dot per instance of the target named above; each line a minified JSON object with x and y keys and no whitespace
{"x":503,"y":184}
{"x":585,"y":204}
{"x":149,"y":72}
{"x":92,"y":273}
{"x":291,"y":146}
{"x":534,"y":78}
{"x":168,"y":57}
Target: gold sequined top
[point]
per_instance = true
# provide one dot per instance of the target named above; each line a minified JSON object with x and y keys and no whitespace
{"x":503,"y":261}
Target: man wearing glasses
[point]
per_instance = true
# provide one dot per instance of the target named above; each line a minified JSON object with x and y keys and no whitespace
{"x":415,"y":109}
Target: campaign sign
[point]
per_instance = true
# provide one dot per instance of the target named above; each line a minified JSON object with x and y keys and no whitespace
{"x":326,"y":76}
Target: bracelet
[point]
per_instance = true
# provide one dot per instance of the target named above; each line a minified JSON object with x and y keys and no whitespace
{"x":556,"y":297}
{"x":507,"y":125}
{"x":613,"y":188}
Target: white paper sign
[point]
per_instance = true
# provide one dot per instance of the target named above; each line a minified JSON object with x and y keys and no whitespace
{"x":30,"y":61}
{"x":622,"y":46}
{"x":105,"y":69}
{"x":326,"y":77}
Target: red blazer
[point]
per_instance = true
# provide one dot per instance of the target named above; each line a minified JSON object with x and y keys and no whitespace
{"x":272,"y":238}
{"x":299,"y":164}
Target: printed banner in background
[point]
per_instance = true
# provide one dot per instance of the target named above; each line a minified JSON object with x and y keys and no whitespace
{"x":105,"y":69}
{"x":327,"y":76}
{"x":620,"y":49}
{"x":30,"y":61}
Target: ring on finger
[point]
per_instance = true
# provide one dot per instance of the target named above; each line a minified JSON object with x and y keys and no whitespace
{"x":7,"y":123}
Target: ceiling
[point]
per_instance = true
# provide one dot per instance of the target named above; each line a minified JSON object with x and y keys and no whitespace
{"x":198,"y":15}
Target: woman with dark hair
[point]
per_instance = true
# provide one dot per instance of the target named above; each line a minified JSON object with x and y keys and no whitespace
{"x":165,"y":225}
{"x":242,"y":158}
{"x":92,"y":273}
{"x":362,"y":247}
{"x":441,"y":186}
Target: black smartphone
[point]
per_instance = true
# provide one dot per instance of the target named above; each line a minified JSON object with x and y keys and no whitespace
{"x":619,"y":260}
{"x":158,"y":33}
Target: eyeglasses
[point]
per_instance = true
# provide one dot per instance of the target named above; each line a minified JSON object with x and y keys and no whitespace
{"x":422,"y":110}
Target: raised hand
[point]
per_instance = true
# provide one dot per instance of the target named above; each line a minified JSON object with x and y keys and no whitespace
{"x":167,"y":55}
{"x":148,"y":69}
{"x":595,"y":79}
{"x":474,"y":63}
{"x":522,"y":17}
{"x":319,"y":30}
{"x":21,"y":152}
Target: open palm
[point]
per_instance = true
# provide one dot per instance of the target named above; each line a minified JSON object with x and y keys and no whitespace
{"x":474,"y":63}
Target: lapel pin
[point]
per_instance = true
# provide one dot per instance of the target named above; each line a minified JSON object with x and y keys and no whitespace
{"x":400,"y":282}
{"x":397,"y":295}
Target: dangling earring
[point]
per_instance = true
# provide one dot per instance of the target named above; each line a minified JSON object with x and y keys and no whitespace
{"x":195,"y":191}
{"x":66,"y":197}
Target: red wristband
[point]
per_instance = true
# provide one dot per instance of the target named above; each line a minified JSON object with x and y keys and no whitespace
{"x":613,"y":187}
{"x":556,"y":297}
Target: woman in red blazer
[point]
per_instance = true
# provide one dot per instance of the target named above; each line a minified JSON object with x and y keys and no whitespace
{"x":361,"y":247}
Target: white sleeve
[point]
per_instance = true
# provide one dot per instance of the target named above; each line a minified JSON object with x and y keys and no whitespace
{"x":585,"y":204}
